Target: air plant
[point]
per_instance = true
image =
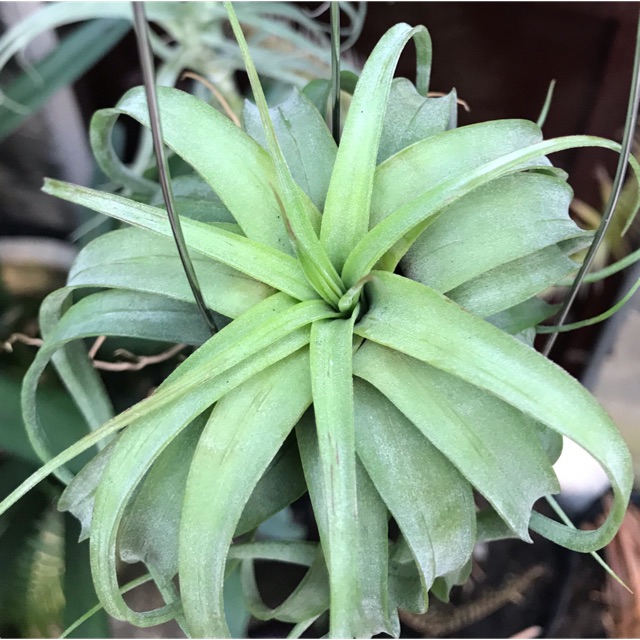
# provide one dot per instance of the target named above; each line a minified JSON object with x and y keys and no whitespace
{"x":289,"y":45}
{"x":375,"y":303}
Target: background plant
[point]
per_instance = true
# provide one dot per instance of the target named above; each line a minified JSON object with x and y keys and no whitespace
{"x":387,"y":205}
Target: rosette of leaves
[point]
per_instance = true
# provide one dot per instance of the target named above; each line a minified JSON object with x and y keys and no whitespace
{"x":376,"y":302}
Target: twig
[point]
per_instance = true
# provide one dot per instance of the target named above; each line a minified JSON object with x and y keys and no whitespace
{"x":529,"y":632}
{"x":441,"y":94}
{"x":140,"y":362}
{"x":22,"y":338}
{"x":96,"y":346}
{"x":219,"y":97}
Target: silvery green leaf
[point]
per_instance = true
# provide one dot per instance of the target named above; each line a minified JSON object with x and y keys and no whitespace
{"x":306,"y":143}
{"x":411,"y":117}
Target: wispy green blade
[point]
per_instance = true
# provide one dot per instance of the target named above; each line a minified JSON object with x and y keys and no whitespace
{"x":257,"y":260}
{"x":419,"y":322}
{"x":251,"y":422}
{"x":331,"y":381}
{"x":346,"y":214}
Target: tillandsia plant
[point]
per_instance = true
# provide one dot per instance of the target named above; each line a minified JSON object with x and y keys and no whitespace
{"x":290,"y":48}
{"x":375,"y":303}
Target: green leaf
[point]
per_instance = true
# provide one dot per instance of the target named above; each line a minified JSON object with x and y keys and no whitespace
{"x":235,"y":609}
{"x":415,"y":170}
{"x":411,"y":117}
{"x":374,"y":613}
{"x":282,"y":483}
{"x":149,"y":438}
{"x":494,"y":446}
{"x":405,"y":583}
{"x":237,"y":168}
{"x":68,"y":61}
{"x":307,"y":146}
{"x":596,"y":319}
{"x":318,"y":90}
{"x":79,"y":495}
{"x":251,"y":423}
{"x":442,"y":586}
{"x":250,"y":257}
{"x":267,"y":328}
{"x":195,"y":199}
{"x":508,"y":219}
{"x":431,"y":502}
{"x":75,"y":370}
{"x":421,"y":323}
{"x":523,"y":316}
{"x":300,"y":212}
{"x":139,"y":260}
{"x":547,"y":104}
{"x":514,"y":282}
{"x":415,"y":214}
{"x":308,"y":600}
{"x":97,"y":609}
{"x":330,"y":349}
{"x":149,"y":529}
{"x":346,"y":215}
{"x":108,"y":313}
